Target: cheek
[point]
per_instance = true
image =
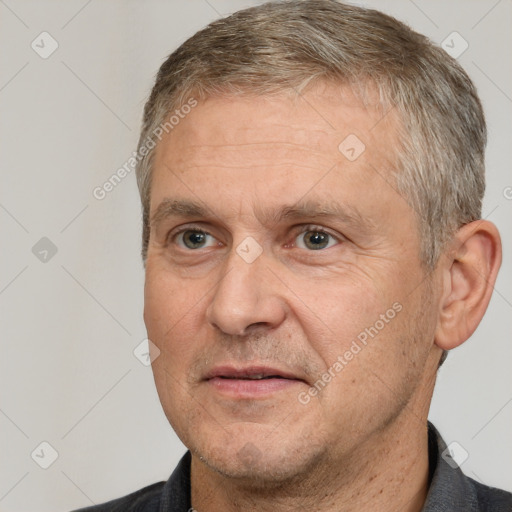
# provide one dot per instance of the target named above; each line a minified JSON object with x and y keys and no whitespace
{"x":332,"y":313}
{"x":170,"y":313}
{"x":166,"y":300}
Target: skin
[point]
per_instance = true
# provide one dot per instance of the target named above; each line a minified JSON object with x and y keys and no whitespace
{"x":361,"y":442}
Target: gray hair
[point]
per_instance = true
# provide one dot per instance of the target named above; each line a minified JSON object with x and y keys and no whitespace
{"x":288,"y":45}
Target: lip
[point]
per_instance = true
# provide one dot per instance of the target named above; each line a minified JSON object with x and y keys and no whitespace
{"x":249,"y":371}
{"x":236,"y":382}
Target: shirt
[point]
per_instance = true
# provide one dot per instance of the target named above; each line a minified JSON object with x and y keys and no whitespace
{"x":449,"y":490}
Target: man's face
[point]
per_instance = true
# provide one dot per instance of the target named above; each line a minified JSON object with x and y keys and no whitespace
{"x":258,"y":283}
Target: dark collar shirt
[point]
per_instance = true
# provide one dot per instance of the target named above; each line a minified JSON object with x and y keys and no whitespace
{"x":449,"y":490}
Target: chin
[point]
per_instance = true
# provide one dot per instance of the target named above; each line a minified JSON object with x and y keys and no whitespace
{"x":259,"y":459}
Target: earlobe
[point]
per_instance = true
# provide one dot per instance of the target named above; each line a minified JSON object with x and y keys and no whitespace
{"x":468,"y":281}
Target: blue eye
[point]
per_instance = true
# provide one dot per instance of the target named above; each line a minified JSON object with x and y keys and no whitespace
{"x":193,"y":238}
{"x":310,"y":237}
{"x":315,"y":239}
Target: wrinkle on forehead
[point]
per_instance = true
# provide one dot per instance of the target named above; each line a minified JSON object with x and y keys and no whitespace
{"x":255,"y":154}
{"x":280,"y":142}
{"x":231,"y":137}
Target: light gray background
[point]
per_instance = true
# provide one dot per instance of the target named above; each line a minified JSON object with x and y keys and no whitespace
{"x":70,"y":325}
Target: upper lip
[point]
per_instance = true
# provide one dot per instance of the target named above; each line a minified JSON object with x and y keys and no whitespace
{"x":249,"y":371}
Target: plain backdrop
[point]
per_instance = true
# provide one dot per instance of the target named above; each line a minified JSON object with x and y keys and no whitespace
{"x":71,"y":278}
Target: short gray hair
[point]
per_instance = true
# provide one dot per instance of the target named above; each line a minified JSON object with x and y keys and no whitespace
{"x":288,"y":45}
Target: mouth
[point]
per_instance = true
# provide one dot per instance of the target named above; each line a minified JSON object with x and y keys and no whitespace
{"x":250,"y":382}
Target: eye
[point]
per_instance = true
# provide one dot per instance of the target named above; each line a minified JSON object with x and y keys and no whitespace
{"x":310,"y":237}
{"x":193,"y":239}
{"x":315,"y":238}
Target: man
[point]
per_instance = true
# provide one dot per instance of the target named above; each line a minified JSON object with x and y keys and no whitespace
{"x":311,"y":175}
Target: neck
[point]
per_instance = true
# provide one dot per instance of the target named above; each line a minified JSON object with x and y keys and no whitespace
{"x":388,"y":472}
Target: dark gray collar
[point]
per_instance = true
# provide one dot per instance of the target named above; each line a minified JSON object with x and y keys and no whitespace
{"x":451,"y":490}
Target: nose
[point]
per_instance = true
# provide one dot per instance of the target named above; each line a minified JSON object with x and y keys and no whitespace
{"x":247,"y":298}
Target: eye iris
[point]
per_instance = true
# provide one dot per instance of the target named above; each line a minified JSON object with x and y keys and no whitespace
{"x":317,"y":239}
{"x":314,"y":239}
{"x":193,"y":239}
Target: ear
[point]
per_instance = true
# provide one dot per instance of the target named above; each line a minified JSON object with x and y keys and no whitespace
{"x":469,"y":272}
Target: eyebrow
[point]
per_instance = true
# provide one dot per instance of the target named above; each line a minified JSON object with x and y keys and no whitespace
{"x":187,"y":209}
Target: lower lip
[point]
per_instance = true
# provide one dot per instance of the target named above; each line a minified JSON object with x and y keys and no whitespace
{"x":246,"y":388}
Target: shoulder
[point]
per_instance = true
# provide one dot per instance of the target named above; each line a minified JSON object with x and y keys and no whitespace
{"x":146,"y":499}
{"x":173,"y":495}
{"x":491,"y":499}
{"x":452,"y":490}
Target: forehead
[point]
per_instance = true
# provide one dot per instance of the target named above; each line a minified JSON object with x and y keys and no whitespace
{"x":315,"y":122}
{"x":279,"y":145}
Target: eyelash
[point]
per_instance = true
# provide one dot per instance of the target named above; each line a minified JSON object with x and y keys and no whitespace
{"x":303,"y":229}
